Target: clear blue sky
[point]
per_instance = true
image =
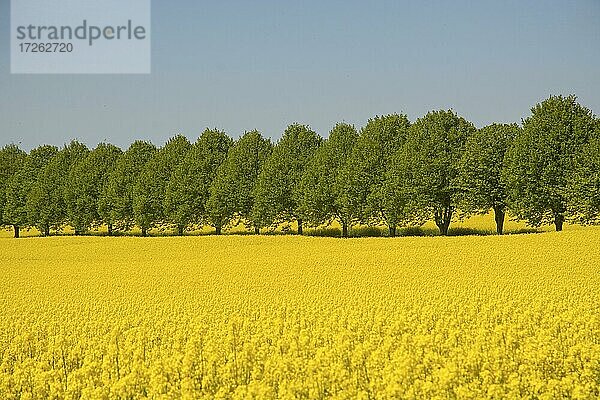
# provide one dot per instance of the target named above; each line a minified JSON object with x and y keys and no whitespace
{"x":241,"y":65}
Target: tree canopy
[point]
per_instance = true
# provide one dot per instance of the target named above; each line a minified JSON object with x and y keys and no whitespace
{"x":151,"y":186}
{"x":426,"y":169}
{"x":85,"y":186}
{"x":481,"y":169}
{"x":583,"y":185}
{"x":361,"y":179}
{"x":187,"y":191}
{"x":21,"y":183}
{"x":321,"y":186}
{"x":542,"y":158}
{"x":46,"y":204}
{"x":232,"y":191}
{"x":12,"y":160}
{"x":116,"y":201}
{"x":278,"y":192}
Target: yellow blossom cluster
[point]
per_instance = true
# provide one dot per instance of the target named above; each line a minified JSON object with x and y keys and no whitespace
{"x":238,"y":317}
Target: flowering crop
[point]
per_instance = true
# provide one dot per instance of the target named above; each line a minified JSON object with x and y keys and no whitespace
{"x":516,"y":316}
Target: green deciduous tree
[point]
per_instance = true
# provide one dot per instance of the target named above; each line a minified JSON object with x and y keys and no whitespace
{"x":583,"y":184}
{"x":188,"y":188}
{"x":321,"y":186}
{"x":481,"y":171}
{"x":21,"y":183}
{"x":278,"y":192}
{"x":542,"y":158}
{"x":46,"y":203}
{"x":85,"y":184}
{"x":116,"y":201}
{"x":426,"y":169}
{"x":12,"y":160}
{"x":151,"y":186}
{"x":232,"y":191}
{"x":362,"y":178}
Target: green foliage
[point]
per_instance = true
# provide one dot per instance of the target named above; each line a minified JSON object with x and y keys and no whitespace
{"x":392,"y":172}
{"x":423,"y":180}
{"x":481,"y":167}
{"x":85,"y":184}
{"x":116,"y":201}
{"x":321,"y":192}
{"x":278,"y":192}
{"x":12,"y":160}
{"x":188,"y":188}
{"x":21,"y":183}
{"x":542,"y":158}
{"x":232,"y":191}
{"x":150,"y":188}
{"x":361,"y":180}
{"x":46,"y":203}
{"x":481,"y":171}
{"x":583,"y":185}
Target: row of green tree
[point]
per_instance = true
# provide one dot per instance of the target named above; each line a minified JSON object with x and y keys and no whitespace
{"x":393,"y":171}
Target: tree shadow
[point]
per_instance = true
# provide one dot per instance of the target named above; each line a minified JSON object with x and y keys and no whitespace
{"x":412,"y":231}
{"x":334,"y":232}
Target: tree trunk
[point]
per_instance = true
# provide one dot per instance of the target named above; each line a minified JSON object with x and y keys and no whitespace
{"x":110,"y":229}
{"x":144,"y":231}
{"x":47,"y":230}
{"x":499,"y":215}
{"x":444,"y":228}
{"x":344,"y":229}
{"x":558,"y":221}
{"x":299,"y":226}
{"x":392,"y":229}
{"x":443,"y":216}
{"x":257,"y":230}
{"x":218,"y":229}
{"x":180,"y":230}
{"x":16,"y":229}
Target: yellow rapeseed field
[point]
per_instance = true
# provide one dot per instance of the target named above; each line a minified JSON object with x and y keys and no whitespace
{"x":236,"y":316}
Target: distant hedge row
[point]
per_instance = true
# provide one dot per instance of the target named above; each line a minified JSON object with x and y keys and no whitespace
{"x":392,"y":171}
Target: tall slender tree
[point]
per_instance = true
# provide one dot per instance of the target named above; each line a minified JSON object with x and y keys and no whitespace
{"x":151,"y":186}
{"x":116,"y":201}
{"x":86,"y":182}
{"x":321,"y":187}
{"x":481,"y":169}
{"x":362,"y":178}
{"x":278,"y":192}
{"x":583,"y":184}
{"x":232,"y":191}
{"x":46,"y":203}
{"x":12,"y":160}
{"x":187,"y":191}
